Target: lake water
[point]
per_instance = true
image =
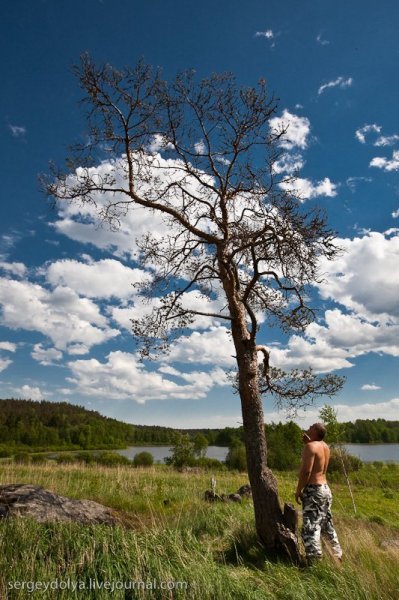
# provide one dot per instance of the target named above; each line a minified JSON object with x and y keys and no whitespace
{"x":371,"y":452}
{"x":161,"y":452}
{"x":367,"y":452}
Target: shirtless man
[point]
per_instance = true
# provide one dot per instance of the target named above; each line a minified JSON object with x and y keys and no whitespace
{"x":315,"y":495}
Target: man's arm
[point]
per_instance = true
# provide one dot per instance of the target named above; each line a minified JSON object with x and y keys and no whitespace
{"x":308,"y":456}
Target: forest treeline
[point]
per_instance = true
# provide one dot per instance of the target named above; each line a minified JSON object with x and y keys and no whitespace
{"x":61,"y":425}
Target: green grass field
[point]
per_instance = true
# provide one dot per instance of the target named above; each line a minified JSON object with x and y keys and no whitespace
{"x":188,"y":548}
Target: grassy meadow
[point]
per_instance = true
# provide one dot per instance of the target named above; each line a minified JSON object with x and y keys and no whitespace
{"x":171,"y":544}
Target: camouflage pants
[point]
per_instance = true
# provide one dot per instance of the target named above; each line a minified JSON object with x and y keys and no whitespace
{"x":317,"y":520}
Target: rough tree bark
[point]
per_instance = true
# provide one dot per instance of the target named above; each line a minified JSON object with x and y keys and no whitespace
{"x":271,"y":525}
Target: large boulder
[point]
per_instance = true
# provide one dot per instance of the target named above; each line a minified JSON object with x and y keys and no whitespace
{"x":24,"y":500}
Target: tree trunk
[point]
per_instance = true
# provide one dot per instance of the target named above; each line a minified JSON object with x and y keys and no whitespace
{"x":272,"y":525}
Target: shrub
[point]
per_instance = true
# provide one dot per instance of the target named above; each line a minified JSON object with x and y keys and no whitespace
{"x":66,"y":459}
{"x":143,"y":459}
{"x":86,"y":457}
{"x":182,"y":452}
{"x":38,"y":459}
{"x":22,"y":458}
{"x":200,"y":445}
{"x":210,"y":463}
{"x":5,"y":452}
{"x":339,"y":456}
{"x":111,"y":459}
{"x":236,"y":457}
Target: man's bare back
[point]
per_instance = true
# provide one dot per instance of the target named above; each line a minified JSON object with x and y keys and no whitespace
{"x":315,"y":495}
{"x":321,"y":454}
{"x":315,"y":458}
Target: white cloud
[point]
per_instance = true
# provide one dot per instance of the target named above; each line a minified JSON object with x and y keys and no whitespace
{"x":200,"y":147}
{"x":306,"y":189}
{"x":81,"y":222}
{"x":382,"y":140}
{"x":45,"y":356}
{"x":60,"y":315}
{"x":16,"y":268}
{"x":365,"y":278}
{"x":352,"y":182}
{"x":395,"y":214}
{"x":370,"y":387}
{"x":8,"y":346}
{"x":17,"y":130}
{"x":304,"y":418}
{"x":4,"y":363}
{"x":388,"y":140}
{"x":212,"y":347}
{"x":322,"y":41}
{"x":29,"y":393}
{"x":298,"y":130}
{"x":288,"y":163}
{"x":301,"y":353}
{"x":365,"y":281}
{"x":385,"y":163}
{"x":269,"y":34}
{"x":360,"y":133}
{"x":345,"y":412}
{"x":340,"y":82}
{"x":123,"y":376}
{"x":158,"y":143}
{"x":102,"y":279}
{"x":192,"y":300}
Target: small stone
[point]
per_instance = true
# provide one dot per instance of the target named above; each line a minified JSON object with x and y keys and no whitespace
{"x":235,"y":497}
{"x":245,"y":490}
{"x":211,"y":496}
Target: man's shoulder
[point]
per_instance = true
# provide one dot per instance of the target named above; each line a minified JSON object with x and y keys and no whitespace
{"x":311,"y":447}
{"x":315,"y":446}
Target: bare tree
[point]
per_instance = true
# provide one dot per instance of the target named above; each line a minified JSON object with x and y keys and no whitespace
{"x":231,"y":231}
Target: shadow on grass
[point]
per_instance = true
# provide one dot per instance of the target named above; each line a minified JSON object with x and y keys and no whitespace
{"x":245,"y":549}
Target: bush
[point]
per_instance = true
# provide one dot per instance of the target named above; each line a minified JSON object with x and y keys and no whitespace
{"x":5,"y":452}
{"x":182,"y":452}
{"x":38,"y":459}
{"x":22,"y":458}
{"x":143,"y":459}
{"x":111,"y":459}
{"x":66,"y":459}
{"x":210,"y":463}
{"x":284,"y":446}
{"x":86,"y":457}
{"x":351,"y":463}
{"x":236,"y":457}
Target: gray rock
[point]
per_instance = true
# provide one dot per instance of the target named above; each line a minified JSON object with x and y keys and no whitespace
{"x":24,"y":500}
{"x":210,"y":496}
{"x":245,"y":490}
{"x":234,"y":498}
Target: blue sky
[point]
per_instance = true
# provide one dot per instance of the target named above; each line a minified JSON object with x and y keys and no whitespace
{"x":65,"y":294}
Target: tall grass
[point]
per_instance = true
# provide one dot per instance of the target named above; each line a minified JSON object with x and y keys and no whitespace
{"x":198,"y":550}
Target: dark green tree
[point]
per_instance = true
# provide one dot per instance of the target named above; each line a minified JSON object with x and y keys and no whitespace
{"x":143,"y":459}
{"x":200,"y":445}
{"x":182,"y":451}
